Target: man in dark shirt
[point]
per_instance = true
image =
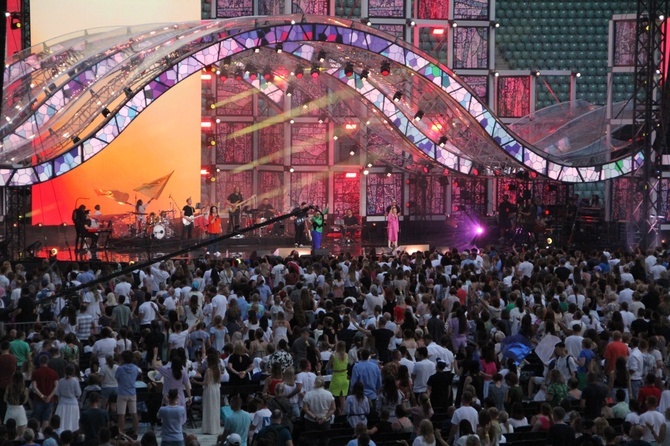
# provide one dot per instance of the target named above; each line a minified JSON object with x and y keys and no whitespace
{"x":25,"y":308}
{"x":7,"y":369}
{"x":349,"y":225}
{"x":92,"y":420}
{"x":346,"y":334}
{"x":438,"y":387}
{"x":505,"y":210}
{"x":593,"y":396}
{"x":299,"y":223}
{"x":43,"y":387}
{"x":587,"y":438}
{"x":382,"y":337}
{"x":57,"y":363}
{"x":560,"y":434}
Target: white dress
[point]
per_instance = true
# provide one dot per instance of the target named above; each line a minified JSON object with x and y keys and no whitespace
{"x":211,"y":407}
{"x":18,"y":413}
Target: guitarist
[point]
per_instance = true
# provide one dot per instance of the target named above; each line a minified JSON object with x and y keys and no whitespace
{"x":233,"y":202}
{"x":188,"y":216}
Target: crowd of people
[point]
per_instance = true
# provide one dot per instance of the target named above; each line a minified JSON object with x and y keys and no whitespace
{"x":397,"y":343}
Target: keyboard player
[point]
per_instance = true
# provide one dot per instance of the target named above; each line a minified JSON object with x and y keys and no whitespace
{"x":349,"y":226}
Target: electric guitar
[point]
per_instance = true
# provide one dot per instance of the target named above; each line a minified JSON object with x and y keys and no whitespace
{"x":188,"y":220}
{"x":233,"y":207}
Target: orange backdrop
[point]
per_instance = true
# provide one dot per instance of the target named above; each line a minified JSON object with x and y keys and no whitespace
{"x":164,"y":138}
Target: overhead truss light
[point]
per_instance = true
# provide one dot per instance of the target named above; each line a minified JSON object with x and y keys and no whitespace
{"x":410,"y":22}
{"x":322,"y":56}
{"x":443,"y":141}
{"x":322,"y":118}
{"x":289,"y":91}
{"x":364,"y":74}
{"x":349,"y":69}
{"x":315,"y":71}
{"x":397,"y":96}
{"x":386,"y":68}
{"x":418,"y":116}
{"x":366,"y":21}
{"x":299,"y":72}
{"x":279,"y":48}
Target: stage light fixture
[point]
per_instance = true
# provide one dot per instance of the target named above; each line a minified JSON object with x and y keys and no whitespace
{"x":388,"y":171}
{"x":128,"y":91}
{"x":267,"y":74}
{"x":495,"y":24}
{"x":495,"y":73}
{"x":76,"y":139}
{"x":105,"y":112}
{"x":369,"y":164}
{"x":289,"y":91}
{"x":257,"y":50}
{"x":322,"y":56}
{"x":410,"y":22}
{"x":536,"y":73}
{"x":279,"y":48}
{"x":578,"y":74}
{"x":15,"y":20}
{"x":349,"y":70}
{"x":443,"y":141}
{"x":366,"y":21}
{"x":322,"y":119}
{"x":291,"y":121}
{"x":53,"y":252}
{"x":364,"y":74}
{"x":239,"y":75}
{"x":291,"y":169}
{"x":419,"y":116}
{"x":352,"y":152}
{"x":223,"y":76}
{"x":299,"y":72}
{"x":366,"y":171}
{"x":397,"y":96}
{"x":425,"y":169}
{"x":385,"y":69}
{"x":315,"y":71}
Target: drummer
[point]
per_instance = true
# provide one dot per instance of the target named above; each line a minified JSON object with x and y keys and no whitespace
{"x":266,"y":210}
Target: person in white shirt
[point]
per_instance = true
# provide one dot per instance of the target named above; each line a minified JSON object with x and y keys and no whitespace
{"x":465,"y":412}
{"x":626,"y":295}
{"x":123,"y":288}
{"x":373,"y":300}
{"x":160,"y":274}
{"x":423,"y":369}
{"x":220,"y":301}
{"x":635,"y":366}
{"x":573,"y":343}
{"x":148,"y":311}
{"x":652,"y":421}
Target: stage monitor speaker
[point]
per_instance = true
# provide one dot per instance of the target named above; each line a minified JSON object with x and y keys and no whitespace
{"x":260,"y":253}
{"x":411,"y":249}
{"x":321,"y":252}
{"x":285,"y":252}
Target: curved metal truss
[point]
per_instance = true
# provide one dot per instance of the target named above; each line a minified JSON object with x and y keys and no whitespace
{"x":69,"y":102}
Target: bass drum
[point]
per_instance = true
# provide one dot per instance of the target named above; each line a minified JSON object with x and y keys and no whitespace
{"x":159,"y":232}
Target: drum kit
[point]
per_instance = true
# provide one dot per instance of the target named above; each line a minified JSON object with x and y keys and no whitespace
{"x":142,"y":225}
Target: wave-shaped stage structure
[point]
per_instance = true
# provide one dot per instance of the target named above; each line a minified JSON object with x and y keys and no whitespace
{"x":65,"y":101}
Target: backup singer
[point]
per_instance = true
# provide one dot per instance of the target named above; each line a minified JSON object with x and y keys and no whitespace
{"x":317,"y":226}
{"x":350,"y":225}
{"x":233,"y":201}
{"x":299,"y":222}
{"x":214,"y":227}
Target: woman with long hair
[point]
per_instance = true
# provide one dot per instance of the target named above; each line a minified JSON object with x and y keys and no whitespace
{"x":393,"y":227}
{"x":543,"y":420}
{"x":281,"y":329}
{"x":16,"y":395}
{"x":211,"y":396}
{"x":68,"y":392}
{"x":390,"y":397}
{"x":404,"y":384}
{"x":428,"y":436}
{"x":620,"y":378}
{"x":109,"y":385}
{"x":458,"y":330}
{"x":258,"y":346}
{"x":174,"y":377}
{"x":193,"y":311}
{"x":239,"y":365}
{"x":339,"y":384}
{"x":420,"y":412}
{"x":357,"y":405}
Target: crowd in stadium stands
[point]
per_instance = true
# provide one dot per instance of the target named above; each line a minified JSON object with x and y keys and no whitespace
{"x":470,"y":348}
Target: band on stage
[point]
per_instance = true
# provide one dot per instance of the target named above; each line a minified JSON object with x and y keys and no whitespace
{"x":309,"y":222}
